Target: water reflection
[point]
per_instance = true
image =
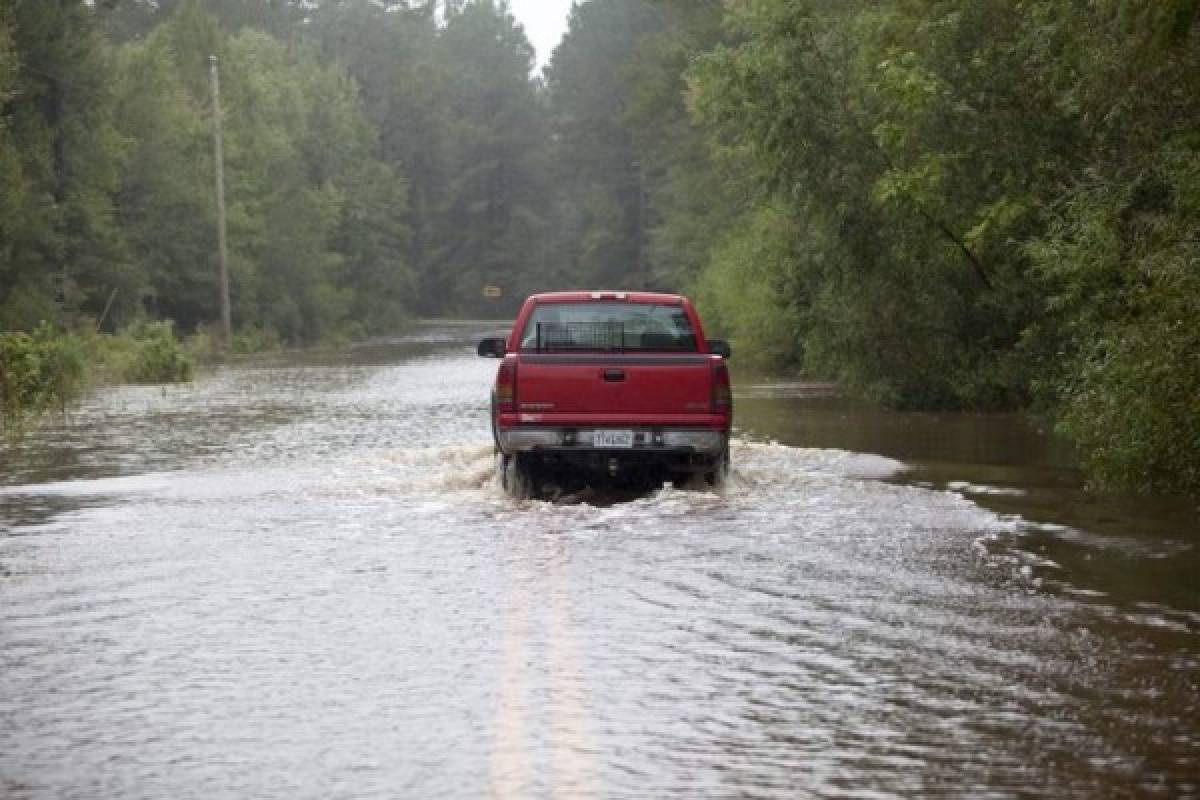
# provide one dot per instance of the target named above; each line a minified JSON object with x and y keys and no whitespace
{"x":816,"y":415}
{"x":1132,"y":549}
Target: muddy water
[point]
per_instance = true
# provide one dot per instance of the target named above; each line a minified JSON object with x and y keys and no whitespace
{"x":297,"y":578}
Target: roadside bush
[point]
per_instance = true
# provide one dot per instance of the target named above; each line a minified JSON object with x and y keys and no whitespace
{"x":256,"y":340}
{"x":203,"y":346}
{"x":1122,"y":269}
{"x":1134,"y":411}
{"x":159,"y":357}
{"x":39,"y":372}
{"x":146,"y":352}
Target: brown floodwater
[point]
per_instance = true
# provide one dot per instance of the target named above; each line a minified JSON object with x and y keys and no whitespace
{"x":298,"y":577}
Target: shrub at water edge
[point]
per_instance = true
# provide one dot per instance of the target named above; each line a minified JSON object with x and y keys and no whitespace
{"x":145,"y":352}
{"x":39,"y":372}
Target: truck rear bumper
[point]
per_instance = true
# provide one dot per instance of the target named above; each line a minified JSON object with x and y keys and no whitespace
{"x":646,"y":441}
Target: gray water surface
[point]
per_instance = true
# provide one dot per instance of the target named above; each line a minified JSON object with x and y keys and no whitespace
{"x":298,"y":578}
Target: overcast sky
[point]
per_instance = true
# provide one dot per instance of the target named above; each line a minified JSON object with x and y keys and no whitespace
{"x":544,"y":21}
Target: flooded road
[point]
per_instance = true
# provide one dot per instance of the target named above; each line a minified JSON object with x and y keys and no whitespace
{"x":298,"y":578}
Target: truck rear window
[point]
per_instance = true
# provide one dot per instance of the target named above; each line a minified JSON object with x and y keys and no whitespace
{"x":558,"y":327}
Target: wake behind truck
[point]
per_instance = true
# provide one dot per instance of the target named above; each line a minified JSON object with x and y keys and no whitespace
{"x":617,"y":387}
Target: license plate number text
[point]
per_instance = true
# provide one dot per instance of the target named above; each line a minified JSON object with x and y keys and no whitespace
{"x":612,"y":438}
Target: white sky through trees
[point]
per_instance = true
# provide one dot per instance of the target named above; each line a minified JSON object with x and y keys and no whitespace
{"x":544,"y":21}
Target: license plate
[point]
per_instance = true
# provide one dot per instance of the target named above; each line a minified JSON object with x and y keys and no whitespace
{"x":612,"y":438}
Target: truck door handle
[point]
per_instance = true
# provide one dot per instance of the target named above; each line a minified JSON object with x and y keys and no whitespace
{"x":614,"y":374}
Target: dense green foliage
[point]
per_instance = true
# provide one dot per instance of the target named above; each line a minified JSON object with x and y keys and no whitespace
{"x":39,"y":372}
{"x":939,"y":203}
{"x":146,"y":352}
{"x":1121,"y":263}
{"x":996,"y":204}
{"x":61,"y":161}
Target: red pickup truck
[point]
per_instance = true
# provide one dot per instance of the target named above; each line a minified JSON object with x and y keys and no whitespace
{"x":619,"y":386}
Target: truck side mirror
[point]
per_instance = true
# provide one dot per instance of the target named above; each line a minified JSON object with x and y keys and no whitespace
{"x":492,"y":347}
{"x":720,"y":347}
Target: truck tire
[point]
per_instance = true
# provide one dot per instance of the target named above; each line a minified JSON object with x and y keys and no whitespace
{"x":717,"y":476}
{"x":517,"y":475}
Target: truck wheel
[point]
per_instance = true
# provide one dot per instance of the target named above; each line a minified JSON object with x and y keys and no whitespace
{"x":717,"y":477}
{"x":516,"y":475}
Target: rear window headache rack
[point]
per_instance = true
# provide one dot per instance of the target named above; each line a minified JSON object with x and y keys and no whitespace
{"x":608,"y":328}
{"x":559,"y":336}
{"x":609,"y":336}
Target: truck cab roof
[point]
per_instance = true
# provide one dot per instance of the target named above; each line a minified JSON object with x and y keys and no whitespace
{"x":607,"y":295}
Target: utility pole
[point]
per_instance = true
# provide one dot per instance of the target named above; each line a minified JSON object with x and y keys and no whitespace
{"x":222,"y":255}
{"x":643,"y":261}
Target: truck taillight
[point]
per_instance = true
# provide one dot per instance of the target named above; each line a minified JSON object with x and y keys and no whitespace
{"x":722,"y":395}
{"x":506,"y":386}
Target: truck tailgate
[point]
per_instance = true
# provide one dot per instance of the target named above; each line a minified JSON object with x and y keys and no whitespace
{"x":615,"y":384}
